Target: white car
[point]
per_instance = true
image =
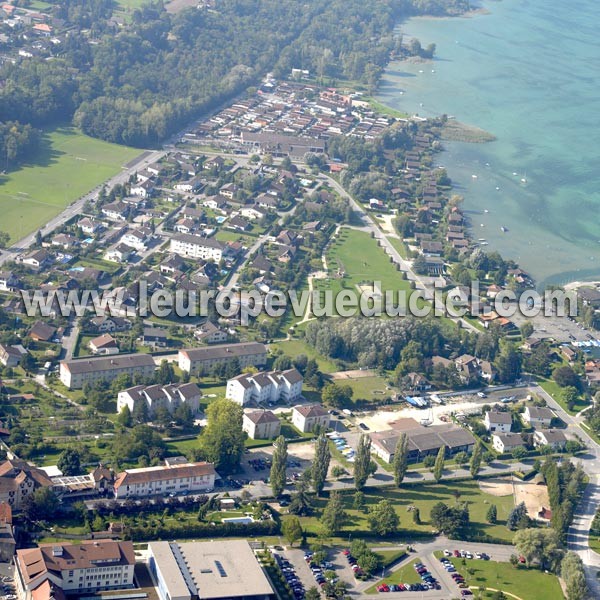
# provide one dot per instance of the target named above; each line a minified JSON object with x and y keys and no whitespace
{"x":482,"y":395}
{"x":468,"y":555}
{"x":447,"y":553}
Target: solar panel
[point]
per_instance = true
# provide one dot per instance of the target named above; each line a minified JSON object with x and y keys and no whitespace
{"x":220,"y":568}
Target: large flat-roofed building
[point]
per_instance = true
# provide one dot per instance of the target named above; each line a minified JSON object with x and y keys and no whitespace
{"x":75,"y":373}
{"x":247,"y":354}
{"x":422,"y":441}
{"x":170,"y":479}
{"x":208,"y":571}
{"x":84,"y":567}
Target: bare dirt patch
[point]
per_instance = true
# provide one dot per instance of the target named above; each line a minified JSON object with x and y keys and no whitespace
{"x":535,"y":497}
{"x":498,"y":486}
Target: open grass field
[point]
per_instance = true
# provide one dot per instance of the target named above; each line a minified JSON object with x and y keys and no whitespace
{"x":527,"y":584}
{"x":424,"y":496}
{"x":355,"y":262}
{"x":367,"y":388}
{"x":66,"y":166}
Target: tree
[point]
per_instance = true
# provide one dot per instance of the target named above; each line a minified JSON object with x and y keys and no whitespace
{"x":539,"y":545}
{"x":42,"y":504}
{"x":492,"y":514}
{"x":165,"y":373}
{"x":222,"y":441}
{"x":476,"y":459}
{"x":515,"y":516}
{"x":359,"y":501}
{"x":279,"y":466}
{"x":449,"y":519}
{"x":438,"y":468}
{"x":334,"y":515}
{"x":4,"y":239}
{"x":526,"y":329}
{"x":69,"y":462}
{"x":570,"y":395}
{"x":313,"y":593}
{"x":320,"y":464}
{"x":571,"y":570}
{"x":362,"y":462}
{"x":124,"y":418}
{"x":508,"y":364}
{"x":300,"y":503}
{"x":519,"y":452}
{"x":292,"y":529}
{"x":565,"y":376}
{"x":400,"y":462}
{"x":383,"y":518}
{"x":416,"y":513}
{"x":336,"y":395}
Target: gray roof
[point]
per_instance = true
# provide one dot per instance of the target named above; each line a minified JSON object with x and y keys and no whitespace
{"x":536,"y":412}
{"x":503,"y":418}
{"x":90,"y":365}
{"x":188,"y":238}
{"x":227,"y":569}
{"x":262,"y":416}
{"x":225,"y":351}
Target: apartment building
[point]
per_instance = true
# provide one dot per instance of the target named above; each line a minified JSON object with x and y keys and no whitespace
{"x":307,"y":418}
{"x":165,"y":396}
{"x":90,"y":566}
{"x":268,"y":386}
{"x":195,"y":246}
{"x":75,"y":373}
{"x":175,"y":478}
{"x":247,"y":354}
{"x":19,"y":480}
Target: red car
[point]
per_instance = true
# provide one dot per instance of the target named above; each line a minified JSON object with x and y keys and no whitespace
{"x":522,"y":559}
{"x":457,"y":553}
{"x":383,"y":588}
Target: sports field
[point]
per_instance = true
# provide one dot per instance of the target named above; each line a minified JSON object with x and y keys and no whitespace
{"x":66,"y":166}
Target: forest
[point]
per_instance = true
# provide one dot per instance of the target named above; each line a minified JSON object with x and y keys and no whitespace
{"x":139,"y":84}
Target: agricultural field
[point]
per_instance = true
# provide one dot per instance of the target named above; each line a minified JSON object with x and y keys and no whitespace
{"x":66,"y":166}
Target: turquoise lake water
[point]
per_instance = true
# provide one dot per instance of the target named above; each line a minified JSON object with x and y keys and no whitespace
{"x":528,"y":73}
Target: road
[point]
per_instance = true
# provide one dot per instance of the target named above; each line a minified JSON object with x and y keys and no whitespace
{"x":578,"y":534}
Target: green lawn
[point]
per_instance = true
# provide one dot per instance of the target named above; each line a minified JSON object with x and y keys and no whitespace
{"x":67,"y":165}
{"x":389,"y":557}
{"x":362,"y":262}
{"x":424,"y":496}
{"x":295,"y":347}
{"x":552,"y":388}
{"x":405,"y":574}
{"x":595,"y":543}
{"x":399,"y":245}
{"x":367,"y":388}
{"x":527,"y":584}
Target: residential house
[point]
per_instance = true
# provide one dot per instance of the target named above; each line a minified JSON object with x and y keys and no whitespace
{"x":38,"y":259}
{"x":110,"y":324}
{"x":538,"y":417}
{"x":10,"y":356}
{"x":9,"y":282}
{"x":261,"y":425}
{"x":89,"y":226}
{"x":209,"y":333}
{"x":155,"y":337}
{"x":496,"y":421}
{"x":42,"y":332}
{"x":138,"y":238}
{"x":554,"y":438}
{"x":506,"y":442}
{"x":143,"y":190}
{"x":308,"y":417}
{"x":116,"y":211}
{"x":121,"y":253}
{"x":104,"y":344}
{"x":19,"y":480}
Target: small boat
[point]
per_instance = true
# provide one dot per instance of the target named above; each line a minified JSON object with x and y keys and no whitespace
{"x":514,"y":174}
{"x":485,"y":210}
{"x":481,"y":240}
{"x":497,"y":188}
{"x":474,"y":176}
{"x":481,"y":225}
{"x":523,"y":179}
{"x":484,"y":244}
{"x":433,"y":70}
{"x":503,"y":229}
